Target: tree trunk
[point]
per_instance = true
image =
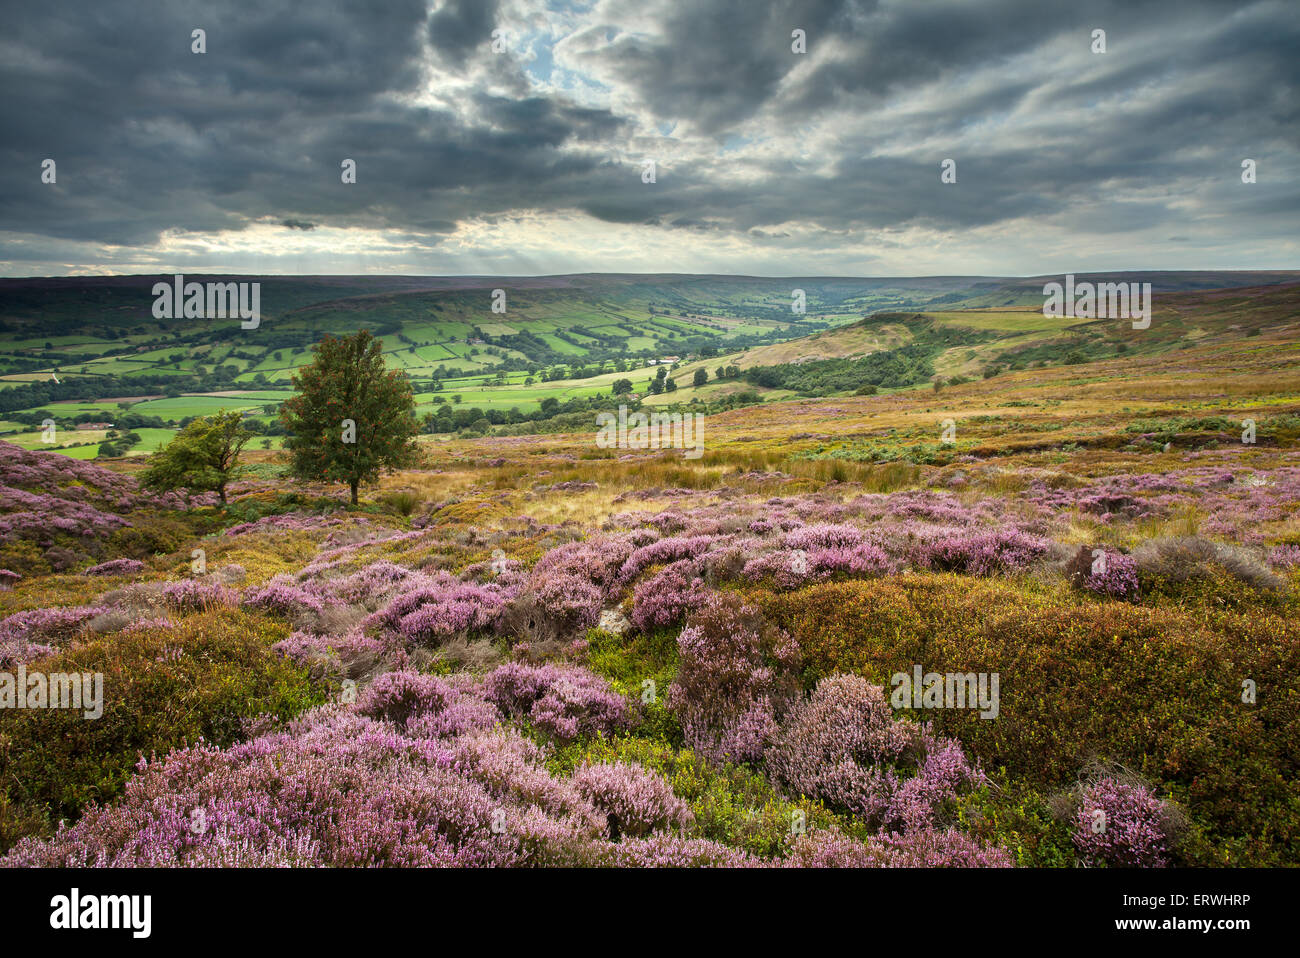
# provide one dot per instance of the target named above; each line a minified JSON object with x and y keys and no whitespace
{"x":354,"y":485}
{"x":221,"y":493}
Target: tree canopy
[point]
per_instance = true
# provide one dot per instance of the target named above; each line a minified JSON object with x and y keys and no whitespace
{"x":351,"y":417}
{"x":204,"y":456}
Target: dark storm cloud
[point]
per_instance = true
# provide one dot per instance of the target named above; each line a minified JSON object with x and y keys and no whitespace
{"x":458,"y":27}
{"x":151,"y":138}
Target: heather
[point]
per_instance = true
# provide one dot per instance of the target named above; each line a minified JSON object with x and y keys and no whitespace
{"x":526,"y":655}
{"x":199,"y":681}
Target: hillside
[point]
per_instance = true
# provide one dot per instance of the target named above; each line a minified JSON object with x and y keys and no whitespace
{"x":513,"y":595}
{"x":125,"y":379}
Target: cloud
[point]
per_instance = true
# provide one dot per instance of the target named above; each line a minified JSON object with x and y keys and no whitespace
{"x":819,"y":161}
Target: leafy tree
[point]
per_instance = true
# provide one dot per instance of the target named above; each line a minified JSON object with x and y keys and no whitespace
{"x":701,"y":377}
{"x":351,"y":417}
{"x":622,"y":386}
{"x":204,"y":456}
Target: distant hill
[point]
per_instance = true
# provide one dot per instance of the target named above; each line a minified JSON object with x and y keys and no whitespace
{"x":89,"y":350}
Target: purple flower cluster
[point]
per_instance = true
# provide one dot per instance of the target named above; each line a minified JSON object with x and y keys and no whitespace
{"x":562,"y":701}
{"x":426,"y":705}
{"x":735,"y":674}
{"x":116,"y":567}
{"x":28,"y":635}
{"x":441,"y":607}
{"x":1116,"y":576}
{"x":283,"y":597}
{"x":1284,"y":557}
{"x":1122,"y":825}
{"x":636,"y":801}
{"x":983,"y":552}
{"x":665,"y":597}
{"x":196,"y":595}
{"x":923,"y":848}
{"x":844,"y":746}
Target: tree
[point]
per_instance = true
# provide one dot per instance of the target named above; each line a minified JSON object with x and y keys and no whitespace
{"x":204,"y":456}
{"x":351,"y":417}
{"x":622,"y":386}
{"x":701,"y":377}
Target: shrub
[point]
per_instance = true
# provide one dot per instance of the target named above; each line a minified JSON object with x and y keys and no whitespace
{"x":116,"y":567}
{"x":563,"y":701}
{"x":844,"y":747}
{"x":636,"y":802}
{"x":983,"y":552}
{"x":665,"y":597}
{"x":554,"y":606}
{"x":441,"y":608}
{"x":1072,"y":675}
{"x":201,"y":679}
{"x":735,"y":677}
{"x":1111,"y":574}
{"x":1122,"y":824}
{"x":1167,"y":564}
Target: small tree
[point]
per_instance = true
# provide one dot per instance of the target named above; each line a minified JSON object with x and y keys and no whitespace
{"x":622,"y":386}
{"x":701,"y":377}
{"x":351,"y":417}
{"x":204,"y":456}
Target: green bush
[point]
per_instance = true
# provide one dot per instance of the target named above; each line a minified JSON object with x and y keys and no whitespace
{"x":162,"y":689}
{"x":1156,"y":690}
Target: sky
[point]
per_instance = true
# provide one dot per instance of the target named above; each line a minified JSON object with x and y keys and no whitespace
{"x":508,"y":137}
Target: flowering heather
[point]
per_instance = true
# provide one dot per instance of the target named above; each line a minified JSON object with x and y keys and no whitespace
{"x":337,"y":652}
{"x":283,"y":597}
{"x":39,"y":517}
{"x":665,"y":597}
{"x":44,"y":495}
{"x":564,"y":701}
{"x":935,"y":848}
{"x":338,"y":790}
{"x":1122,"y":825}
{"x":982,"y":553}
{"x":735,"y":674}
{"x":192,"y":595}
{"x":597,"y":559}
{"x":843,"y":746}
{"x":426,"y":704}
{"x":822,"y":536}
{"x":637,"y":802}
{"x":664,"y":850}
{"x":116,"y":567}
{"x":924,"y":848}
{"x":664,"y":551}
{"x":286,"y":522}
{"x":1284,"y":557}
{"x":571,"y":601}
{"x":36,"y":632}
{"x":1116,"y":575}
{"x":441,"y":607}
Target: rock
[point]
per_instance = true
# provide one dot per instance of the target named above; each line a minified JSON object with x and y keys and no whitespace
{"x":613,"y":620}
